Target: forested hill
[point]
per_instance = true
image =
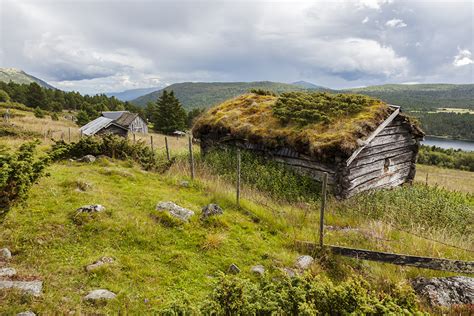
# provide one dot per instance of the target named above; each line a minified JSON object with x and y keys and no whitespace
{"x":423,"y":97}
{"x":206,"y":94}
{"x":21,"y":77}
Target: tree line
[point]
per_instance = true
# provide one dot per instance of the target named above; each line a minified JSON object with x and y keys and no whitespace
{"x":166,"y":114}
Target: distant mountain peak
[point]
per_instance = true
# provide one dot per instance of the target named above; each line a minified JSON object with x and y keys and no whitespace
{"x":19,"y":76}
{"x":307,"y":85}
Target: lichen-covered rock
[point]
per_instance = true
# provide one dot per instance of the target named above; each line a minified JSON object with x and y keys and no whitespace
{"x":27,"y":313}
{"x":99,"y":263}
{"x":100,"y":294}
{"x":258,"y":269}
{"x":86,"y":158}
{"x":7,"y":272}
{"x":29,"y":287}
{"x":94,"y":208}
{"x":211,"y":210}
{"x":175,"y":210}
{"x":449,"y":291}
{"x":5,"y":254}
{"x":234,"y":269}
{"x":304,"y":262}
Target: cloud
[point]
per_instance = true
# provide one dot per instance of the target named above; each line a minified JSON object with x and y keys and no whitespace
{"x":463,"y":58}
{"x":395,"y":23}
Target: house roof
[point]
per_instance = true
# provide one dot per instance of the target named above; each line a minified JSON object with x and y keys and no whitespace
{"x":126,"y":119}
{"x":261,"y":119}
{"x":113,"y":114}
{"x":94,"y":126}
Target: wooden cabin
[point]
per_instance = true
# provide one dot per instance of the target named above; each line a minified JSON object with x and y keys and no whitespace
{"x":373,"y":148}
{"x":116,"y":122}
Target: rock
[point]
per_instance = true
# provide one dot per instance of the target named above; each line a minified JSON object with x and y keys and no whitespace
{"x":7,"y":272}
{"x":258,"y":269}
{"x":99,"y":263}
{"x":86,"y":158}
{"x":91,"y":208}
{"x":211,"y":210}
{"x":5,"y":254}
{"x":304,"y":262}
{"x":234,"y":269}
{"x":458,"y":290}
{"x":175,"y":210}
{"x":30,"y":287}
{"x":100,"y":294}
{"x":184,"y":184}
{"x":289,"y":272}
{"x":27,"y":313}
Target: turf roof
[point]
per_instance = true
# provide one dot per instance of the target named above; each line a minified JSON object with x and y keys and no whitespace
{"x":318,"y":124}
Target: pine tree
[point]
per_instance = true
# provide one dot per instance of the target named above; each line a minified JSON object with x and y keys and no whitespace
{"x":168,"y":115}
{"x":36,"y":97}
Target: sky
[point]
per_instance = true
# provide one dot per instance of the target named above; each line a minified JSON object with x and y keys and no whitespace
{"x":95,"y":46}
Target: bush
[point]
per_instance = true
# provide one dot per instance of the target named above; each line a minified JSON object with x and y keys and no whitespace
{"x":447,"y":158}
{"x":262,"y":92}
{"x":112,"y":146}
{"x":4,"y":97}
{"x":306,"y":295}
{"x":39,"y":113}
{"x":278,"y":180}
{"x":54,"y":117}
{"x":18,"y":172}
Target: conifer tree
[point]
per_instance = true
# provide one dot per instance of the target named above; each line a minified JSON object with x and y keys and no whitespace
{"x":169,"y":115}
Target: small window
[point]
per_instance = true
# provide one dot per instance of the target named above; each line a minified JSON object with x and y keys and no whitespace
{"x":386,"y":164}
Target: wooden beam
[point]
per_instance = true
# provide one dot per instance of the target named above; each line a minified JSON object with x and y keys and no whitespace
{"x":442,"y":264}
{"x":375,"y":133}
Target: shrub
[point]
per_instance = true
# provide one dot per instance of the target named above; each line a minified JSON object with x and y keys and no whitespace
{"x":55,"y":117}
{"x":307,"y":295}
{"x":262,"y":92}
{"x":112,"y":146}
{"x":447,"y":158}
{"x":18,"y":172}
{"x":4,"y":97}
{"x":39,"y":113}
{"x":305,"y":108}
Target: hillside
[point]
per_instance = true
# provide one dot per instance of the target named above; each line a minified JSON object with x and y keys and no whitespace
{"x":161,"y":266}
{"x":131,"y":94}
{"x":423,"y":97}
{"x":21,"y":77}
{"x":206,"y":94}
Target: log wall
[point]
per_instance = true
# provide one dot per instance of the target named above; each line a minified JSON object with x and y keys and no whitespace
{"x":387,"y":161}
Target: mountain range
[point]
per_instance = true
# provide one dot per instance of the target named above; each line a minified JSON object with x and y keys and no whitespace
{"x":131,"y":94}
{"x":21,"y":77}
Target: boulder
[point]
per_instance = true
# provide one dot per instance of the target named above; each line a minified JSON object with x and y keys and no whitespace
{"x":258,"y":269}
{"x":7,"y":272}
{"x":29,"y":287}
{"x":5,"y":254}
{"x":99,"y":263}
{"x":94,"y":208}
{"x":86,"y":158}
{"x":304,"y":262}
{"x":175,"y":210}
{"x":99,"y":294}
{"x":458,"y":290}
{"x":234,"y":269}
{"x":289,"y":272}
{"x":27,"y":313}
{"x":211,"y":210}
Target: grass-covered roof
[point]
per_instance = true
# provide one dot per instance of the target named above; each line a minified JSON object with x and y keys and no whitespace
{"x":319,"y":124}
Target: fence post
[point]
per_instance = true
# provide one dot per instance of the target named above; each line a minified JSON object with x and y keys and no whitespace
{"x":167,"y":148}
{"x":426,"y":181}
{"x":151,"y":143}
{"x":80,"y":133}
{"x":134,"y":138}
{"x":62,"y":136}
{"x":191,"y":157}
{"x":69,"y":134}
{"x":323,"y":207}
{"x":238,"y":176}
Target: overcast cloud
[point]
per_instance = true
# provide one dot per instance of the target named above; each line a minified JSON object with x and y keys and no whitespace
{"x":104,"y":45}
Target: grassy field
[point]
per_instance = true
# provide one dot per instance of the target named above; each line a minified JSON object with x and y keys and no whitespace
{"x":451,"y":179}
{"x":157,"y":264}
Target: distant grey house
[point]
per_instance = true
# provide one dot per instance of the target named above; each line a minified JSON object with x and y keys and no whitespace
{"x":116,"y":122}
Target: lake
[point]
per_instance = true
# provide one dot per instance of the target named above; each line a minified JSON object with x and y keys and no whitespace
{"x":449,"y":143}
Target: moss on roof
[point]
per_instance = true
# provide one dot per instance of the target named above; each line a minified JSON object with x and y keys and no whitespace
{"x":319,"y":124}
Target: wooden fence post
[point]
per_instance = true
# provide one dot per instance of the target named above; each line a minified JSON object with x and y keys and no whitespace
{"x":238,"y":176}
{"x":62,"y":136}
{"x":151,"y":143}
{"x":426,"y":181}
{"x":134,"y":140}
{"x":69,"y":134}
{"x":323,"y":207}
{"x":191,"y":157}
{"x":167,"y":148}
